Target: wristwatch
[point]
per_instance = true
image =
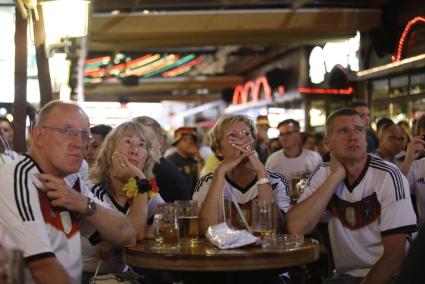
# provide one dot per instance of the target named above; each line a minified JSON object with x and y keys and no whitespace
{"x":263,"y":181}
{"x":91,"y":208}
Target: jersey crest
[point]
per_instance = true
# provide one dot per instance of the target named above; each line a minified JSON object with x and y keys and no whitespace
{"x":358,"y":214}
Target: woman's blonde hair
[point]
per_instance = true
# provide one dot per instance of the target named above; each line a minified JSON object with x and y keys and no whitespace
{"x":100,"y":172}
{"x":218,"y":130}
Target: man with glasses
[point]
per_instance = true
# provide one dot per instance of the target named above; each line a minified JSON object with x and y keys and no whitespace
{"x":369,"y":203}
{"x":292,"y":161}
{"x":43,"y":199}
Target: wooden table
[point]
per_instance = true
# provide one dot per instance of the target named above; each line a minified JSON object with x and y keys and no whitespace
{"x":207,"y":258}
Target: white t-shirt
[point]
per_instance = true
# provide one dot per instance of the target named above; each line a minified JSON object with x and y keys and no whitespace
{"x":416,"y":178}
{"x":244,"y":196}
{"x":114,"y":263}
{"x":307,"y":161}
{"x":29,"y":223}
{"x":376,"y":205}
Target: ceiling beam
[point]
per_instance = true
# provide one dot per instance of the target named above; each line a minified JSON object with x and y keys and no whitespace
{"x":152,"y":98}
{"x":157,"y":89}
{"x":134,"y":31}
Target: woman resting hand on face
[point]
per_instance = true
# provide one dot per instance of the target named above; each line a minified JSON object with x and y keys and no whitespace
{"x":122,"y":177}
{"x":240,"y":174}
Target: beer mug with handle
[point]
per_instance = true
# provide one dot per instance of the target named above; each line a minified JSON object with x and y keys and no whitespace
{"x":165,"y":226}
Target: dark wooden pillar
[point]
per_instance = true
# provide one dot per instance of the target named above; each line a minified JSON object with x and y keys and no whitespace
{"x":42,"y":60}
{"x":20,"y":102}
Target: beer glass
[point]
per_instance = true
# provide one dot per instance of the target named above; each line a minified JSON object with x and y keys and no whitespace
{"x":263,"y":218}
{"x":297,"y":184}
{"x":188,"y":220}
{"x":165,"y":226}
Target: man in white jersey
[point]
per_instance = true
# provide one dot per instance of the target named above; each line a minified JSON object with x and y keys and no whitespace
{"x":293,"y":160}
{"x":43,"y":199}
{"x":369,"y":204}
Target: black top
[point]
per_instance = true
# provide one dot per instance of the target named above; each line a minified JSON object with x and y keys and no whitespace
{"x":172,"y":184}
{"x":263,"y":152}
{"x":188,"y":167}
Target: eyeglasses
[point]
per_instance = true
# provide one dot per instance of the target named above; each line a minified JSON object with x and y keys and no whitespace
{"x":287,"y":133}
{"x":72,"y":132}
{"x":396,"y":138}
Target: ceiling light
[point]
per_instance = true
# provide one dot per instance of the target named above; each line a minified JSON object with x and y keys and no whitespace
{"x":65,"y":18}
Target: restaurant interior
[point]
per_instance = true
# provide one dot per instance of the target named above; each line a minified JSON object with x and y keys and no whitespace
{"x":189,"y":62}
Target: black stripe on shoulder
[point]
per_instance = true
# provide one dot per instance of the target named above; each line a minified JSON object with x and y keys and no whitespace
{"x":322,"y":165}
{"x":202,"y":180}
{"x":20,"y":188}
{"x":27,"y":192}
{"x":400,"y":230}
{"x":97,"y":190}
{"x":39,"y":256}
{"x":102,"y":196}
{"x":281,"y":178}
{"x":395,"y":174}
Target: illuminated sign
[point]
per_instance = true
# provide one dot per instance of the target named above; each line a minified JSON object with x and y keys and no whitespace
{"x":319,"y":91}
{"x":401,"y":43}
{"x":242,"y":92}
{"x":344,"y":53}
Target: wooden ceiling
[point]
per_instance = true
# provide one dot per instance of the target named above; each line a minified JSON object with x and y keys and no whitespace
{"x":236,"y":27}
{"x":136,"y":26}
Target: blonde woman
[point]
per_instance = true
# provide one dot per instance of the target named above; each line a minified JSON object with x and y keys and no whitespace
{"x":240,"y":173}
{"x":122,"y":178}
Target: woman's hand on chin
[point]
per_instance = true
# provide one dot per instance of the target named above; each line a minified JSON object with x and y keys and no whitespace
{"x":123,"y":169}
{"x":230,"y":162}
{"x":255,"y":164}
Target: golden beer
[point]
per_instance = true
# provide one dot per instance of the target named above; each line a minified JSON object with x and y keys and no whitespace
{"x":264,"y":234}
{"x":294,"y":192}
{"x":166,"y":237}
{"x":188,"y":230}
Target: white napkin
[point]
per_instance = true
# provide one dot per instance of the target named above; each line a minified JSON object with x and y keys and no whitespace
{"x":224,"y":237}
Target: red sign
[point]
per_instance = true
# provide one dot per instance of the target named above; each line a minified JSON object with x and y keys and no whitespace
{"x":242,"y":92}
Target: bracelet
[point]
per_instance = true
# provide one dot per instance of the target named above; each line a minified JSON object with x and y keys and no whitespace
{"x":143,"y":185}
{"x":263,"y":181}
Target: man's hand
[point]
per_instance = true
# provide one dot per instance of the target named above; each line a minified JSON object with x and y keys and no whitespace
{"x":414,"y":149}
{"x":337,"y":168}
{"x":60,"y":194}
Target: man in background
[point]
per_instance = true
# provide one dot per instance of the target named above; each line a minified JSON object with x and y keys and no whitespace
{"x":99,"y":133}
{"x":391,"y":143}
{"x":293,"y":160}
{"x":371,"y":138}
{"x":262,"y":144}
{"x":186,"y":157}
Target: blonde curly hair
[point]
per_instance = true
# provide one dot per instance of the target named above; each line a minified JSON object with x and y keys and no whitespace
{"x":100,"y":172}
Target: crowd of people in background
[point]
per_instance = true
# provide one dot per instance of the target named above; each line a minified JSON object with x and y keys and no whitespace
{"x":370,"y":181}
